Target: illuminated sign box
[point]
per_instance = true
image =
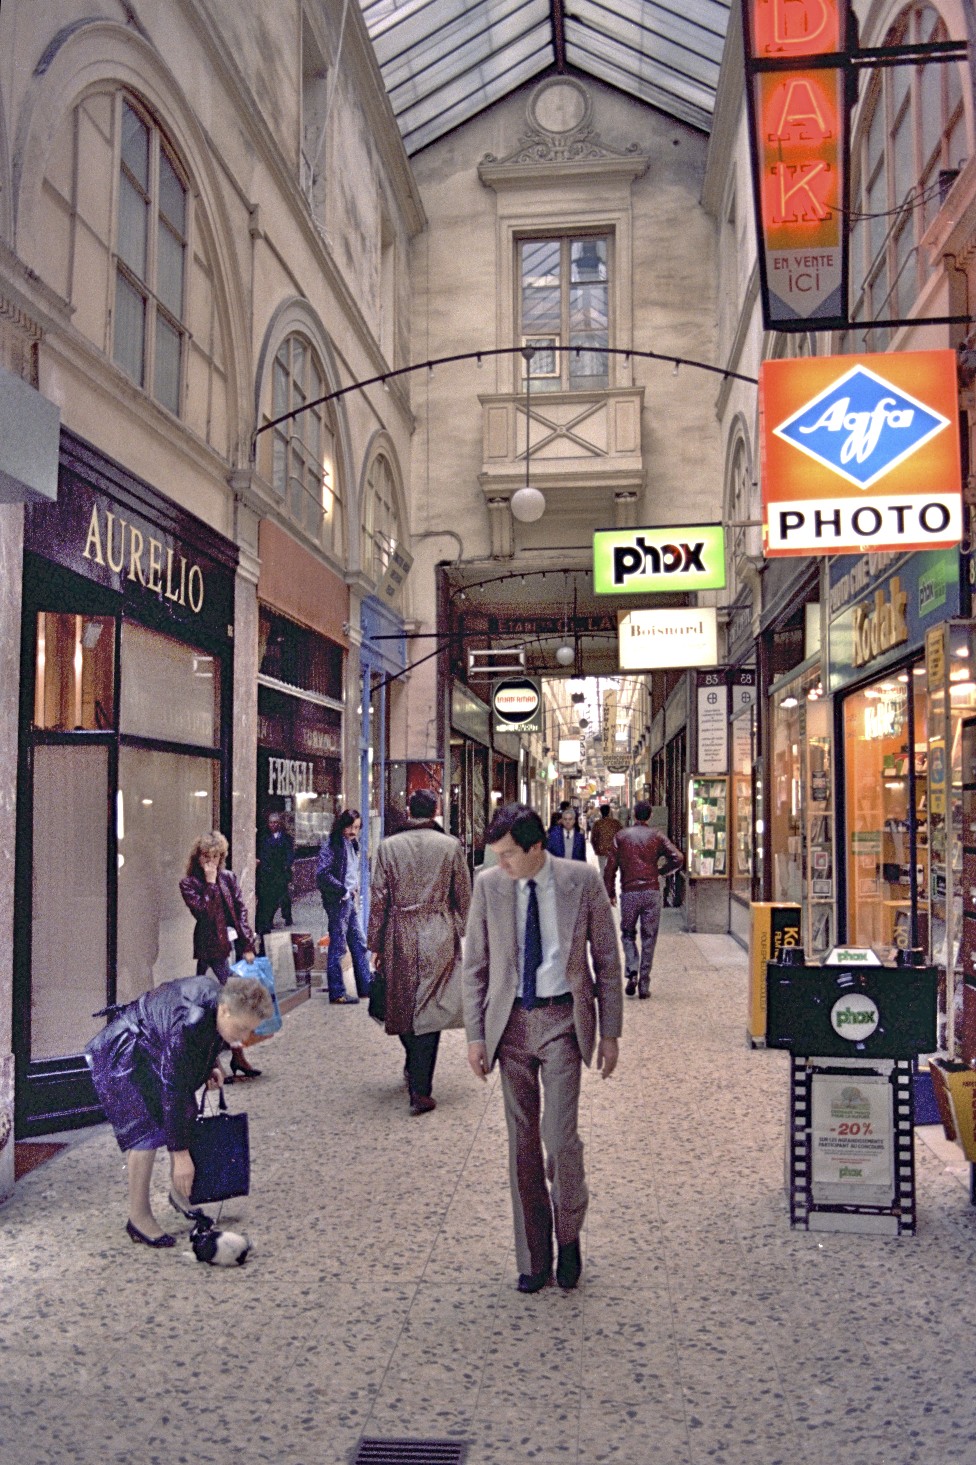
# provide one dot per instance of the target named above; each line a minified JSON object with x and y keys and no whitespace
{"x":860,"y":453}
{"x":655,"y":560}
{"x":569,"y":750}
{"x":517,"y":705}
{"x":798,"y":124}
{"x":652,"y":640}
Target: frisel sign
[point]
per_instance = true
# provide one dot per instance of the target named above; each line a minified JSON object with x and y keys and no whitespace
{"x":861,"y":453}
{"x":517,"y":705}
{"x":668,"y":558}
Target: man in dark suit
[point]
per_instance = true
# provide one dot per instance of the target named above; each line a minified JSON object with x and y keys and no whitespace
{"x":532,"y":1000}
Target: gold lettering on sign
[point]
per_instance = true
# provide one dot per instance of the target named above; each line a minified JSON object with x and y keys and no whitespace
{"x":155,"y":565}
{"x":109,"y":536}
{"x":141,"y":559}
{"x":884,"y":625}
{"x":94,"y":540}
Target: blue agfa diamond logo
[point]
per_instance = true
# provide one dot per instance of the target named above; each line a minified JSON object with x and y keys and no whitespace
{"x":861,"y":426}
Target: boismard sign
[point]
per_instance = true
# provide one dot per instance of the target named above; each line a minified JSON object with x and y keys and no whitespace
{"x":664,"y":558}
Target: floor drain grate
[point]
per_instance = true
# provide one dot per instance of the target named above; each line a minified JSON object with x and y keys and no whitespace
{"x":411,"y":1452}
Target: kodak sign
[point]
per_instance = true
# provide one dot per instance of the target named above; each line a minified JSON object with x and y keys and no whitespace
{"x":798,"y":123}
{"x":860,"y":453}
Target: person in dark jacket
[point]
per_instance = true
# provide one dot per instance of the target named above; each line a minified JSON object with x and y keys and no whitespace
{"x":566,"y":839}
{"x":213,"y":897}
{"x":276,"y":855}
{"x":337,"y":877}
{"x":639,"y":852}
{"x":147,"y":1065}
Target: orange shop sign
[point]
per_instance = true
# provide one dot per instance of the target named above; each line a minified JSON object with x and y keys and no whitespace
{"x":798,"y":117}
{"x":860,"y":453}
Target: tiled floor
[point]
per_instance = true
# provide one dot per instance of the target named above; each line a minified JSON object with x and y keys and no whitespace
{"x":380,"y":1297}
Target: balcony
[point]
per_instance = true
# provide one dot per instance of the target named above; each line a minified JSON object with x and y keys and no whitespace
{"x":584,"y":454}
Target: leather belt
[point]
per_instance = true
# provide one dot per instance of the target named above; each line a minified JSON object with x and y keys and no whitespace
{"x":563,"y":1000}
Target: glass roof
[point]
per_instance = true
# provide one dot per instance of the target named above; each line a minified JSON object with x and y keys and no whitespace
{"x":443,"y":61}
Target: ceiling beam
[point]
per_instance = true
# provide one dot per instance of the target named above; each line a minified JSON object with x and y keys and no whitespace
{"x":557,"y":15}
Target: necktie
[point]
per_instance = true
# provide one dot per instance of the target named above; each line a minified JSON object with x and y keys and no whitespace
{"x":532,"y":957}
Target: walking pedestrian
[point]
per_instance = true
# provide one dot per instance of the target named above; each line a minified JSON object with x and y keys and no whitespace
{"x":602,"y":835}
{"x":565,"y":839}
{"x":418,"y":904}
{"x":638,"y":852}
{"x":541,"y":967}
{"x":337,"y":877}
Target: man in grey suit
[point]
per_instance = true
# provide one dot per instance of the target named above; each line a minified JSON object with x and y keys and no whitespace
{"x":531,"y":1000}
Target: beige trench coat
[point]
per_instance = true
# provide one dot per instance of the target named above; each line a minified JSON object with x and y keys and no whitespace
{"x":418,"y":905}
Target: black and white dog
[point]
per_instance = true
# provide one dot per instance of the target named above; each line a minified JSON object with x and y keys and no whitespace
{"x":218,"y":1248}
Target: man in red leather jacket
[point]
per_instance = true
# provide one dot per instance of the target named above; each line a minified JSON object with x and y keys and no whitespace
{"x":638,"y":852}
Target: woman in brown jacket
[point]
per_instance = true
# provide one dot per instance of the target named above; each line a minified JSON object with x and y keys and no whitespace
{"x":213,"y":897}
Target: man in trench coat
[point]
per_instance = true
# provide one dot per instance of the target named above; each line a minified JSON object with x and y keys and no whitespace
{"x":418,"y":903}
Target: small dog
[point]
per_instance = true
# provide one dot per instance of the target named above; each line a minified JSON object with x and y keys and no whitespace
{"x":219,"y":1248}
{"x":211,"y":1245}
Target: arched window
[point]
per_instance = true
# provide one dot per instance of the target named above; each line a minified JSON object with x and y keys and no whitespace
{"x":303,"y":458}
{"x":382,"y":530}
{"x":740,"y":504}
{"x":912,"y":130}
{"x":148,"y":332}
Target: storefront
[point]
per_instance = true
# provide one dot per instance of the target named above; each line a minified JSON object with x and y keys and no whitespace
{"x":125,"y":730}
{"x":470,"y":735}
{"x":301,"y":659}
{"x":898,"y":849}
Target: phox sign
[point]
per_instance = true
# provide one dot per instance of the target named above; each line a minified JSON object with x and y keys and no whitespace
{"x":860,"y":453}
{"x":644,"y":561}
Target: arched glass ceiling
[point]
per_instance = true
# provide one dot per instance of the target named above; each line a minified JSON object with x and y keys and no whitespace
{"x":443,"y":61}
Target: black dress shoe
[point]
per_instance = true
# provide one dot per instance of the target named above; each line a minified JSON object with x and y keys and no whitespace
{"x":631,"y":986}
{"x":569,"y":1266}
{"x":533,"y":1281}
{"x":156,"y":1242}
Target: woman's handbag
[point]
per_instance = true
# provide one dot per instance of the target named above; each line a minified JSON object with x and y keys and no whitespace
{"x":377,"y":996}
{"x":220,"y":1153}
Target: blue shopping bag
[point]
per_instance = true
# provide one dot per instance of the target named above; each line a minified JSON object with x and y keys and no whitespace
{"x":260,"y":967}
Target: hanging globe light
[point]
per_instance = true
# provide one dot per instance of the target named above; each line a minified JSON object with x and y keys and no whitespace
{"x":565,"y":655}
{"x":528,"y":504}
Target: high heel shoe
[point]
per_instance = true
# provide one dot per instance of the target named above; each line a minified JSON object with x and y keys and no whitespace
{"x":156,"y":1242}
{"x":242,"y":1069}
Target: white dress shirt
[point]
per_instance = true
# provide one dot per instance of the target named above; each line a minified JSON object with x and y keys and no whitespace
{"x":550,"y":979}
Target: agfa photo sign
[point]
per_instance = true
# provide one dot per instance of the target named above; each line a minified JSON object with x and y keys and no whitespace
{"x":516,"y":705}
{"x":665,"y":558}
{"x":650,"y":640}
{"x":860,"y":453}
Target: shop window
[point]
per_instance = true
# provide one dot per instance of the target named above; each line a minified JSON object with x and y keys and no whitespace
{"x":886,"y":753}
{"x":382,"y":530}
{"x":291,"y":654}
{"x":75,"y":673}
{"x":299,"y":765}
{"x":800,"y":808}
{"x":303,"y":466}
{"x":69,"y":939}
{"x":169,"y":690}
{"x":564,"y":300}
{"x":151,"y":253}
{"x":164,"y":802}
{"x":912,"y":129}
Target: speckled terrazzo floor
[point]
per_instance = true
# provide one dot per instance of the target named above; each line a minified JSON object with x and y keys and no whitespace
{"x":380,"y":1297}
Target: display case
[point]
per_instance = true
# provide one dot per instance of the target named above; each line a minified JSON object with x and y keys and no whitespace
{"x":708,"y":826}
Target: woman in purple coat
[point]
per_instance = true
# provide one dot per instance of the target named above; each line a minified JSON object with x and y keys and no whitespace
{"x":147,"y":1065}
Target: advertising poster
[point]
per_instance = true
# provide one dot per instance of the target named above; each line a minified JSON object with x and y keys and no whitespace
{"x":852,"y":1140}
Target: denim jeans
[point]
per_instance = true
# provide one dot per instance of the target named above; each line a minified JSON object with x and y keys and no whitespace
{"x":346,"y":933}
